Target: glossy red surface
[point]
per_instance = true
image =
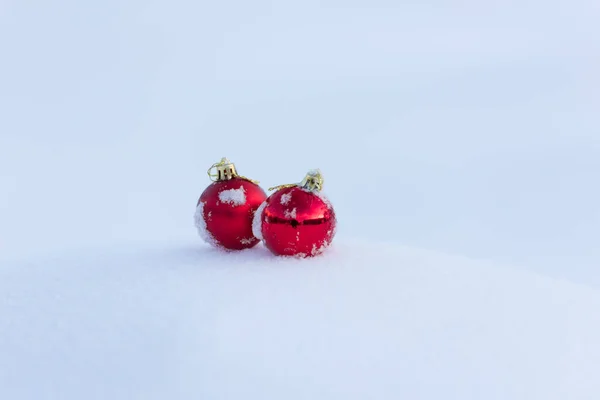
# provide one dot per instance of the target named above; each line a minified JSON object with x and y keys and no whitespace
{"x":231,"y":224}
{"x":296,"y":222}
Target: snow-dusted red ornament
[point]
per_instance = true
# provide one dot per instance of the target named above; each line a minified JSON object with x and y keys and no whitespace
{"x":296,"y":220}
{"x":225,"y":210}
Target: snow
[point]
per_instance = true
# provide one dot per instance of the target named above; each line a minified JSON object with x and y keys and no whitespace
{"x":461,"y":150}
{"x":257,"y":221}
{"x":363,"y":320}
{"x":324,"y":198}
{"x":200,"y":224}
{"x":235,"y":197}
{"x":285,"y":198}
{"x":319,"y":250}
{"x":290,"y":213}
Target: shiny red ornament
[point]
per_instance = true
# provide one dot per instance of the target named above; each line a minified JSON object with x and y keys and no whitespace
{"x":225,"y":210}
{"x":297,"y":220}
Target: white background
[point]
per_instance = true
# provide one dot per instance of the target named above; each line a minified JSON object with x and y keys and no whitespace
{"x":465,"y":127}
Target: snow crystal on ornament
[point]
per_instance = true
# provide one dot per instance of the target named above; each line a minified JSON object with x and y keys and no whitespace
{"x":246,"y":241}
{"x":290,"y":214}
{"x":285,"y":198}
{"x":333,"y":231}
{"x":257,"y":221}
{"x":235,"y":197}
{"x":324,"y":198}
{"x":316,"y":251}
{"x":201,"y":225}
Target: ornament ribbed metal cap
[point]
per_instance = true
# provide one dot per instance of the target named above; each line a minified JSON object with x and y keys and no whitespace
{"x":313,"y":181}
{"x":224,"y":171}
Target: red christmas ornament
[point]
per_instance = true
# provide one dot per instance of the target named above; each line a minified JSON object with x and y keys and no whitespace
{"x":296,"y":220}
{"x":225,"y":210}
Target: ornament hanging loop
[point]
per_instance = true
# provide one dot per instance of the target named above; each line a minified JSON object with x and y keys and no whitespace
{"x":313,"y":182}
{"x":287,"y":185}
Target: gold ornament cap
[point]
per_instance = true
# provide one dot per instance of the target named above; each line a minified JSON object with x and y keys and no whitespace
{"x":313,"y":182}
{"x":225,"y":170}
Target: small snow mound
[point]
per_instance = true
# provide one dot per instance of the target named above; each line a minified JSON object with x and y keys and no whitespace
{"x":200,"y":223}
{"x":236,"y":197}
{"x":285,"y":198}
{"x":257,"y":221}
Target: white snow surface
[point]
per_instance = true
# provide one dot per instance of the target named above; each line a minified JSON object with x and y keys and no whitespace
{"x":363,"y":320}
{"x":235,"y":197}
